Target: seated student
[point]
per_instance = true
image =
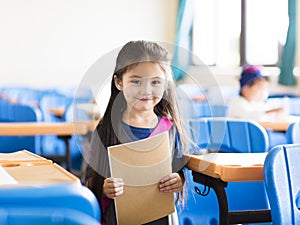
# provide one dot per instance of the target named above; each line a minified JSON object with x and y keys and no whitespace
{"x":251,"y":103}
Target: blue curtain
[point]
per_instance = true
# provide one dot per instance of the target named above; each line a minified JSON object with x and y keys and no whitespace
{"x":182,"y":57}
{"x":286,"y":76}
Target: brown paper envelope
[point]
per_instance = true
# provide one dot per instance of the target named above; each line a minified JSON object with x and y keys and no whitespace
{"x":139,"y":205}
{"x":144,"y":152}
{"x":40,"y":174}
{"x":140,"y":175}
{"x":142,"y":164}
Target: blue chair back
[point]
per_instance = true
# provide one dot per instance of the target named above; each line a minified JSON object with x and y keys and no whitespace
{"x":205,"y":109}
{"x":45,"y":216}
{"x":291,"y":102}
{"x":76,"y":142}
{"x":5,"y":110}
{"x":293,"y":133}
{"x":294,"y":106}
{"x":30,"y":96}
{"x":229,"y":135}
{"x":53,"y":100}
{"x":51,"y":144}
{"x":226,"y":135}
{"x":61,"y":196}
{"x":282,"y":180}
{"x":20,"y":113}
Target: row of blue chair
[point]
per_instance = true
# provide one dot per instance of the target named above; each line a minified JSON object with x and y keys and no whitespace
{"x":43,"y":145}
{"x":225,"y":135}
{"x":215,"y":98}
{"x":32,"y":96}
{"x":291,"y":103}
{"x":228,"y":135}
{"x":211,"y":109}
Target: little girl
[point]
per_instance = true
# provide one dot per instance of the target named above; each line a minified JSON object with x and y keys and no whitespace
{"x":142,"y":97}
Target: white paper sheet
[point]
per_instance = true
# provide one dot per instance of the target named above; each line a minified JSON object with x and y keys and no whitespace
{"x":5,"y":178}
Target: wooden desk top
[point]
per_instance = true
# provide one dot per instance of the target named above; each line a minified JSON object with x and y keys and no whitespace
{"x":43,"y":128}
{"x":229,"y":167}
{"x":20,"y":156}
{"x":58,"y":112}
{"x":25,"y":168}
{"x":279,"y":125}
{"x":275,"y":126}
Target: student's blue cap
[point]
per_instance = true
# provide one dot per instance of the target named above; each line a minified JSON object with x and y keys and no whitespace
{"x":249,"y":74}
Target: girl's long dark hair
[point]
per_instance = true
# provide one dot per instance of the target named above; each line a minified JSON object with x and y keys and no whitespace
{"x":132,"y":53}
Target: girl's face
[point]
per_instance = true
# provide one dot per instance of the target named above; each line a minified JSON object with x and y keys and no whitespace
{"x":258,"y":92}
{"x":143,"y":86}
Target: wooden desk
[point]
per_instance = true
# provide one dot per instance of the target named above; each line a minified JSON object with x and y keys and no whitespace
{"x":216,"y":169}
{"x":26,"y":168}
{"x":279,"y":125}
{"x":275,"y":126}
{"x":42,"y":128}
{"x":230,"y":167}
{"x":57,"y":112}
{"x":20,"y":156}
{"x":63,"y":130}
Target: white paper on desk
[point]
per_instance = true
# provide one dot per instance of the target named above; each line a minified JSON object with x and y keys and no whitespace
{"x":5,"y":178}
{"x":142,"y":164}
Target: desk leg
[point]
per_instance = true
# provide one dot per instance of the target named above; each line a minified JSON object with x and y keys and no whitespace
{"x":68,"y":154}
{"x":233,"y":217}
{"x":62,"y":158}
{"x":219,"y":188}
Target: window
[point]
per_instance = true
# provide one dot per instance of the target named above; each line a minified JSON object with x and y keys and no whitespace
{"x":235,"y":32}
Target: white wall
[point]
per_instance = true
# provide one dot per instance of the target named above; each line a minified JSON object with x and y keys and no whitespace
{"x":54,"y":42}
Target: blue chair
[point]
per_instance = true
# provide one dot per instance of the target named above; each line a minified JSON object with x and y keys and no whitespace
{"x":226,"y":135}
{"x":282,"y":180}
{"x":44,"y":216}
{"x":76,"y":142}
{"x":229,"y":135}
{"x":293,"y":133}
{"x":30,"y":96}
{"x":62,"y":196}
{"x":20,"y":113}
{"x":205,"y":109}
{"x":294,"y":106}
{"x":11,"y":93}
{"x":5,"y":110}
{"x":292,"y":102}
{"x":51,"y":145}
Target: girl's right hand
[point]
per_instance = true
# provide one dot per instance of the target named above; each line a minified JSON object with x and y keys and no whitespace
{"x":113,"y":187}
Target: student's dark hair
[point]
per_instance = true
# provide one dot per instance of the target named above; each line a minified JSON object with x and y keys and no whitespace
{"x":133,"y":53}
{"x":252,"y":82}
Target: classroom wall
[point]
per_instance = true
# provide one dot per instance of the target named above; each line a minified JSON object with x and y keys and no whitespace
{"x":54,"y":42}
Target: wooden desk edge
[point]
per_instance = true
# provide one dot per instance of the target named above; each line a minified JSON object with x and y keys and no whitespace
{"x":42,"y":128}
{"x":275,"y":126}
{"x":227,"y":173}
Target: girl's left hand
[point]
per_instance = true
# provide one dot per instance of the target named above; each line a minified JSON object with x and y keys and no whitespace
{"x":171,"y":183}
